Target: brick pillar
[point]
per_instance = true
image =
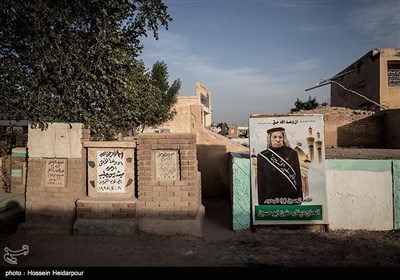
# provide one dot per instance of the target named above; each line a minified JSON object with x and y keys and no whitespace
{"x":169,"y":184}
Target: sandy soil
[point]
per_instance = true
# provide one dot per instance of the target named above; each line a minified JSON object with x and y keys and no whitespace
{"x":220,"y":247}
{"x":281,"y":248}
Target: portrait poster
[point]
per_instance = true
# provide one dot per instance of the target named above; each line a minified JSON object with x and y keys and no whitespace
{"x":288,"y":181}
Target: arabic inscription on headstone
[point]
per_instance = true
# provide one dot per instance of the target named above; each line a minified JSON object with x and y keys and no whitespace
{"x":167,"y":165}
{"x":110,"y":172}
{"x":55,"y":172}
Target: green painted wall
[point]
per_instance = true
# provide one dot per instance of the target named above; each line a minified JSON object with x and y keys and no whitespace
{"x":241,"y":192}
{"x":241,"y":184}
{"x":359,"y":165}
{"x":396,"y":194}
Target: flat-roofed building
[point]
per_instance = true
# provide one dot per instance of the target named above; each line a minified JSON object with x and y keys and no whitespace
{"x":376,"y":75}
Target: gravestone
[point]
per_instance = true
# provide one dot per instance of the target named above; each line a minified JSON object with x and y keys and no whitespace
{"x":55,"y":172}
{"x":167,"y":165}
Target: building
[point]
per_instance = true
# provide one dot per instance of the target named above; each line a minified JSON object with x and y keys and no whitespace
{"x":243,"y":131}
{"x":232,"y":131}
{"x":193,"y":115}
{"x":376,"y":76}
{"x":191,"y":111}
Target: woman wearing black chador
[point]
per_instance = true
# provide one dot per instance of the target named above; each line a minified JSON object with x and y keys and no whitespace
{"x":278,"y":171}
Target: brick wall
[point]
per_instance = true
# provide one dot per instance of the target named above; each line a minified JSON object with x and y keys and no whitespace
{"x":54,"y":201}
{"x":18,"y":174}
{"x":5,"y":175}
{"x":105,"y":208}
{"x":348,"y":128}
{"x":366,"y":132}
{"x":174,"y":199}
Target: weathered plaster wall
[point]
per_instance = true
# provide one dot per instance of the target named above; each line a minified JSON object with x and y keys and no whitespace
{"x":364,"y":81}
{"x":390,"y":96}
{"x":183,"y":120}
{"x":396,"y":193}
{"x":239,"y":188}
{"x":204,"y":96}
{"x":360,"y":194}
{"x":59,"y":140}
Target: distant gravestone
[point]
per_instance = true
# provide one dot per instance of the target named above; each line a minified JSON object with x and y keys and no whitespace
{"x":55,"y":172}
{"x":167,"y":165}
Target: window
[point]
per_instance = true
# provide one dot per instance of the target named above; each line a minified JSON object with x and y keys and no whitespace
{"x":394,"y":74}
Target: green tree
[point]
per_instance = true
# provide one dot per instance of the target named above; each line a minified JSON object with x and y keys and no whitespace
{"x":312,"y":103}
{"x":158,"y":101}
{"x":75,"y":61}
{"x":224,"y":128}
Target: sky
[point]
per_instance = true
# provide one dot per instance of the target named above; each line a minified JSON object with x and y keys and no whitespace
{"x":259,"y":56}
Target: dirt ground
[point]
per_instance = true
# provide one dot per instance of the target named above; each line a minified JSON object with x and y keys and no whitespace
{"x":219,"y":247}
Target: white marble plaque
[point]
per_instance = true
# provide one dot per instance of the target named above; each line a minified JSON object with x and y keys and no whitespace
{"x":110,"y":171}
{"x":167,"y":165}
{"x":55,"y":172}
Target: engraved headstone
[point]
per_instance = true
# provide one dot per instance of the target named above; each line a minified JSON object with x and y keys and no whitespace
{"x":167,"y":165}
{"x":110,"y":172}
{"x":55,"y":172}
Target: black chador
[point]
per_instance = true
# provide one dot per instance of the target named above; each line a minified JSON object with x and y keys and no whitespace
{"x":279,"y":178}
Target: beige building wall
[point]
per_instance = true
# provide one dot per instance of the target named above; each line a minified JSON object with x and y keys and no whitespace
{"x":184,"y":119}
{"x":390,"y":95}
{"x":370,"y":79}
{"x":365,"y":80}
{"x":188,"y":114}
{"x":204,"y":95}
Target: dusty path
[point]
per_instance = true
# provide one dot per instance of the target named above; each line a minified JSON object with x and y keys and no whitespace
{"x":220,"y":247}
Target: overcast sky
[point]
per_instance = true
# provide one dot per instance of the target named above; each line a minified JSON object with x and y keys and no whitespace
{"x":259,"y":56}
